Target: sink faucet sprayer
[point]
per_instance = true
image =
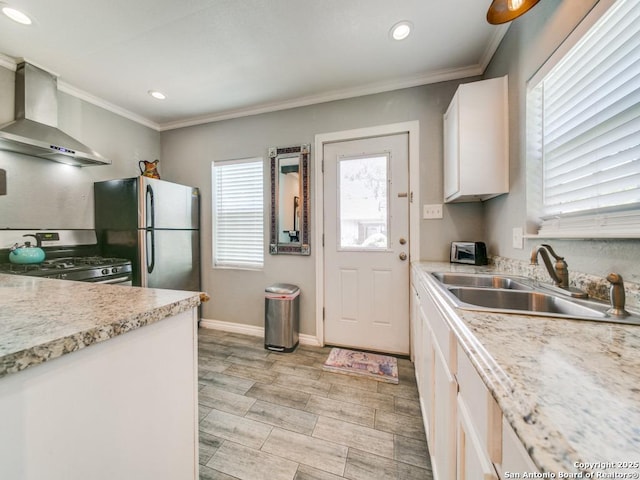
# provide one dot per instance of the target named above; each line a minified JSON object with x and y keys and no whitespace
{"x":616,"y":294}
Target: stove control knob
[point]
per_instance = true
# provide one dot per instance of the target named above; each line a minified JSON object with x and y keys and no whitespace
{"x":105,"y":271}
{"x":114,"y":270}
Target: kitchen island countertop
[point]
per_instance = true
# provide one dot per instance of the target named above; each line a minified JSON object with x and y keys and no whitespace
{"x":570,"y":389}
{"x":42,"y":319}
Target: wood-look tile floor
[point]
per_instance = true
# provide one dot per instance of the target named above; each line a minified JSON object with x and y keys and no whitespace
{"x":279,"y":416}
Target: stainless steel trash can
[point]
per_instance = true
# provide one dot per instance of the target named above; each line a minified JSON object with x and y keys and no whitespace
{"x":281,"y":317}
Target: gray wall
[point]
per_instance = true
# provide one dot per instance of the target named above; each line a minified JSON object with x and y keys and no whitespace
{"x":45,"y":194}
{"x":238,"y":296}
{"x":530,"y":40}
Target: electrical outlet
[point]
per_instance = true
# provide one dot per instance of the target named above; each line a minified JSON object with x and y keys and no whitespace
{"x":432,"y":211}
{"x":518,"y":239}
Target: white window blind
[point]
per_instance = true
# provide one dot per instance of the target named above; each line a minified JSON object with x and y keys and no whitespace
{"x":238,"y":213}
{"x":584,"y":124}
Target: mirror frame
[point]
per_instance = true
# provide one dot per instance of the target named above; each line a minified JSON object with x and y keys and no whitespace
{"x":303,"y":246}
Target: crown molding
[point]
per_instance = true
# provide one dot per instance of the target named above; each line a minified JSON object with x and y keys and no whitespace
{"x":498,"y":34}
{"x":370,"y":89}
{"x":381,"y":87}
{"x":8,"y":62}
{"x":11,"y":63}
{"x":99,"y":102}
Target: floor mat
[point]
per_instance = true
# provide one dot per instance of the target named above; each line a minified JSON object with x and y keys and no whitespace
{"x":362,"y":364}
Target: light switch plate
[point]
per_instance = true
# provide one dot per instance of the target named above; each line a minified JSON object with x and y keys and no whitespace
{"x":432,"y":211}
{"x":518,"y":239}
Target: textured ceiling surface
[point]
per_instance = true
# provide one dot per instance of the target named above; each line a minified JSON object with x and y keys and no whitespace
{"x":223,"y":58}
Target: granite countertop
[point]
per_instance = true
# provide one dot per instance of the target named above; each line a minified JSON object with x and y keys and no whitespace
{"x":42,"y":319}
{"x":570,"y":389}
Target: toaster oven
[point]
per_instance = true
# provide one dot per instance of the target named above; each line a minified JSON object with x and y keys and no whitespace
{"x":472,"y":253}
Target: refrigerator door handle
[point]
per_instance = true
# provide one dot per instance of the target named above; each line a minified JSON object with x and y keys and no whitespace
{"x":151,"y":243}
{"x":151,"y":211}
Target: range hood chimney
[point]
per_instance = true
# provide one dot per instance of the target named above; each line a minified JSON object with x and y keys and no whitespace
{"x":35,"y":130}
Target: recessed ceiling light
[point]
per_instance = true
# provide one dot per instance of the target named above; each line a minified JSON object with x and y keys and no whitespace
{"x":17,"y":15}
{"x":401,"y":30}
{"x":157,"y":95}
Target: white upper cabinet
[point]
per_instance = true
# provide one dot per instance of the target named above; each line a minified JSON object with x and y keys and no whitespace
{"x":476,"y":142}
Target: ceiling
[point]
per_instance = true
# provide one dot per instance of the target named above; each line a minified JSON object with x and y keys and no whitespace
{"x":217,"y":59}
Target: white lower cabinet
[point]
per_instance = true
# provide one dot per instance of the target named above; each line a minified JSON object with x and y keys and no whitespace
{"x":436,"y":383}
{"x":126,"y":408}
{"x":423,"y":356}
{"x":473,"y":462}
{"x":444,"y":419}
{"x":479,"y":425}
{"x":467,"y":435}
{"x":514,"y":456}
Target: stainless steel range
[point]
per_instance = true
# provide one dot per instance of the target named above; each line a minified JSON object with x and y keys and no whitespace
{"x":82,"y":269}
{"x":69,"y":255}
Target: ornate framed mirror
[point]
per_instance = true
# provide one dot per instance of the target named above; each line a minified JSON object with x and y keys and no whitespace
{"x":290,"y":209}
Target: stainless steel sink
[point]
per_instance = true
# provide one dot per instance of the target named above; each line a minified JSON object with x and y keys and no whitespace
{"x":519,"y":295}
{"x":480,"y":280}
{"x":526,"y":302}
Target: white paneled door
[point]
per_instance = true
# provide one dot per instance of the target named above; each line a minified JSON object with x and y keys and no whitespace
{"x":366,"y":243}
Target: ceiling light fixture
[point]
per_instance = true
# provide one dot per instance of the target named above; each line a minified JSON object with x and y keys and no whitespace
{"x":503,"y":11}
{"x":157,"y":95}
{"x":17,"y":15}
{"x":401,"y":30}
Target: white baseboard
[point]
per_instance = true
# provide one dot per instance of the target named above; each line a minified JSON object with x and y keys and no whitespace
{"x":252,"y":330}
{"x":232,"y":327}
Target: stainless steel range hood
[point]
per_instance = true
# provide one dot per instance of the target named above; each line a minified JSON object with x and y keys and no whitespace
{"x":35,"y":130}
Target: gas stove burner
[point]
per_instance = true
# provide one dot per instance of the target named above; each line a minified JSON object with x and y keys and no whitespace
{"x":98,"y":260}
{"x":59,"y":263}
{"x":85,"y":269}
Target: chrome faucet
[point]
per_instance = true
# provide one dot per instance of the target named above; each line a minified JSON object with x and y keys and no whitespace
{"x":616,"y":295}
{"x":558,"y":272}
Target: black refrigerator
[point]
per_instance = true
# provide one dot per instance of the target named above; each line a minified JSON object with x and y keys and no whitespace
{"x":156,"y":225}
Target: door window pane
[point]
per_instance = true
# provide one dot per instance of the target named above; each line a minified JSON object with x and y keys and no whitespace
{"x":363,"y":202}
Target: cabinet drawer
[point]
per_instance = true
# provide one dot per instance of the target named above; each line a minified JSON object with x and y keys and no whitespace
{"x":415,"y":276}
{"x":442,"y":334}
{"x":484,"y":413}
{"x":419,"y":285}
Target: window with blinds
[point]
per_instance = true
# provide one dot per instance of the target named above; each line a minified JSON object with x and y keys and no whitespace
{"x":238,"y":213}
{"x":584,"y":128}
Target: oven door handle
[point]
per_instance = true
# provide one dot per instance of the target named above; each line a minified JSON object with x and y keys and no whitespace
{"x":151,"y":245}
{"x":117,"y":280}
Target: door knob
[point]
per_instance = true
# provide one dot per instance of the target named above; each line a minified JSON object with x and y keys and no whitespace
{"x":402,"y":256}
